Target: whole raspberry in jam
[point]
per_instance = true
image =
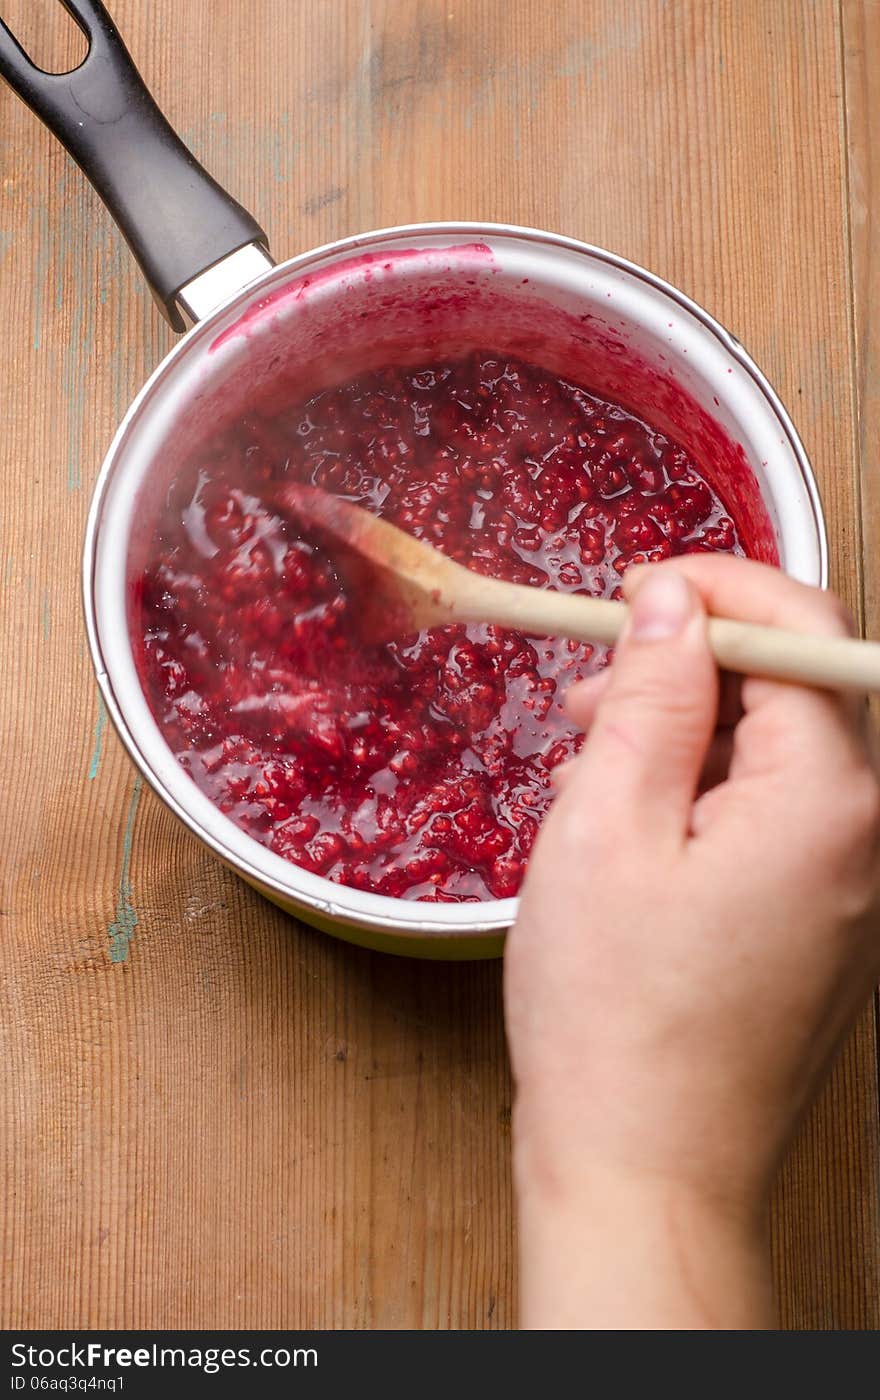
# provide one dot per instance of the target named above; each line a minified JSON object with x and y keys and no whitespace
{"x":420,"y":768}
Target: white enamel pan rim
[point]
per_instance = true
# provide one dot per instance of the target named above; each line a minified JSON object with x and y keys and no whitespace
{"x":238,"y":850}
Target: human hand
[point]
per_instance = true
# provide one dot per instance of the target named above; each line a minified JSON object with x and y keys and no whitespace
{"x":686,"y":961}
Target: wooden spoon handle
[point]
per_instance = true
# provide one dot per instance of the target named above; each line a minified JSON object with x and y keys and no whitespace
{"x":838,"y":663}
{"x":834,"y":663}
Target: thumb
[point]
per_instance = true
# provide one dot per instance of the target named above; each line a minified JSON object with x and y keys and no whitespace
{"x":645,"y":751}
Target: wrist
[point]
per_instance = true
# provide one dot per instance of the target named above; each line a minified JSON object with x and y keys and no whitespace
{"x":614,"y":1248}
{"x":727,"y":1165}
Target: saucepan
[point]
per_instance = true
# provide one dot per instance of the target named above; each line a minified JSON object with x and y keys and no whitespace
{"x":257,"y":331}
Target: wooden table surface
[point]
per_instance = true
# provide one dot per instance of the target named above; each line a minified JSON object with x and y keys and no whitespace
{"x":212,"y":1116}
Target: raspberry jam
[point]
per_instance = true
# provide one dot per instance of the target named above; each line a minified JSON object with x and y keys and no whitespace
{"x":418,"y":768}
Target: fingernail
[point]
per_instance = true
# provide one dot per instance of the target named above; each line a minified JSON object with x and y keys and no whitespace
{"x":662,"y":607}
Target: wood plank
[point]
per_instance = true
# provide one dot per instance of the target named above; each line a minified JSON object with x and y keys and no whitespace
{"x":860,"y":43}
{"x":860,"y":36}
{"x":240,"y":1122}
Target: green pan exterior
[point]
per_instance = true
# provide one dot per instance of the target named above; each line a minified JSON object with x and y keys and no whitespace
{"x":462,"y":947}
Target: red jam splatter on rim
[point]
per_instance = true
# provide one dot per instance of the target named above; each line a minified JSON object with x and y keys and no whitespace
{"x":420,"y":768}
{"x":340,"y":276}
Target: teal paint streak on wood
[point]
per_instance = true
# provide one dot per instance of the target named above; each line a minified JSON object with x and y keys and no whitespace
{"x":76,"y":360}
{"x":99,"y":737}
{"x":45,"y":614}
{"x":228,"y":144}
{"x":121,"y":931}
{"x":45,"y":252}
{"x":69,"y":237}
{"x":78,"y":241}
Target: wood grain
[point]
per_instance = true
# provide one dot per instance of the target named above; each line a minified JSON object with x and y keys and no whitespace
{"x":212,"y":1116}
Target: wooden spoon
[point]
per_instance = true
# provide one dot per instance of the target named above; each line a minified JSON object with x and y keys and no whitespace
{"x":403,"y":585}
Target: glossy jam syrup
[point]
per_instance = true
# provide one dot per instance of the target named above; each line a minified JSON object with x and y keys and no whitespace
{"x":420,"y":768}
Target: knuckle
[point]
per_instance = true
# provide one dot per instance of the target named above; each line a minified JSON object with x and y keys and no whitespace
{"x":583,"y":844}
{"x":837,"y":615}
{"x":640,"y":719}
{"x":858,"y":807}
{"x":642,"y":693}
{"x":578,"y":834}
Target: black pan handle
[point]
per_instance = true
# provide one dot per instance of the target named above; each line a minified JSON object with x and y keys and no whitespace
{"x":176,"y":219}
